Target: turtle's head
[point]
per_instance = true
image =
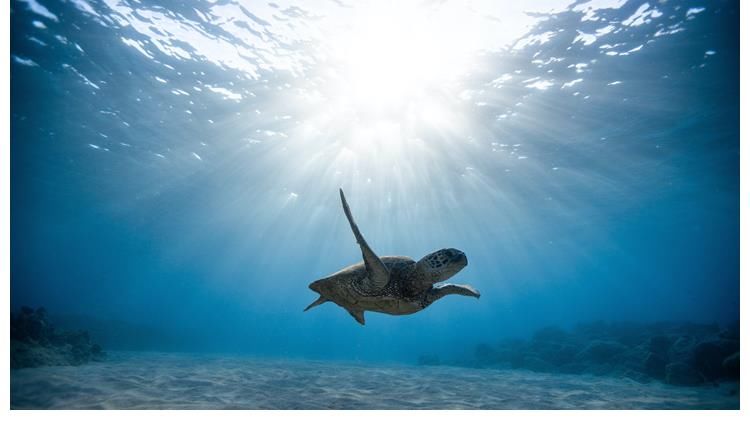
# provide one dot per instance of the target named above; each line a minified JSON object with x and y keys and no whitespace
{"x":441,"y":265}
{"x":318,"y":286}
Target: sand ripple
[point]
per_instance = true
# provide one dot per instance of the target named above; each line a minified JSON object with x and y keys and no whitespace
{"x":183,"y":381}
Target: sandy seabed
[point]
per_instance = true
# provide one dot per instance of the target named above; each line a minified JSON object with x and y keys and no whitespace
{"x":186,"y":381}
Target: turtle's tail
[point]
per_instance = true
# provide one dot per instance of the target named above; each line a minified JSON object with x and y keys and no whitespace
{"x":317,"y":302}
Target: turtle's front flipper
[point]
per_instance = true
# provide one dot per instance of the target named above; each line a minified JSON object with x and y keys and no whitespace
{"x":436,"y":293}
{"x":376,"y":270}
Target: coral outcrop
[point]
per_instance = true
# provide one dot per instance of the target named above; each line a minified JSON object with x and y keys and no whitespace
{"x":684,"y":354}
{"x":34,"y":342}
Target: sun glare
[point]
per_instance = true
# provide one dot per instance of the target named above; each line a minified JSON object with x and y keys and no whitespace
{"x":397,"y":60}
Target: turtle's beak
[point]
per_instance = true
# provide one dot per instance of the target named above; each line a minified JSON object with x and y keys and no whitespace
{"x":459,"y":257}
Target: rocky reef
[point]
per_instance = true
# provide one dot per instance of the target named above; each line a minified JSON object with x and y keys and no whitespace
{"x":676,"y":353}
{"x":34,"y":342}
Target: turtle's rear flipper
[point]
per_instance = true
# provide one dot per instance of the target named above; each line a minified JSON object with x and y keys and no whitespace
{"x":318,"y":302}
{"x":358,"y":315}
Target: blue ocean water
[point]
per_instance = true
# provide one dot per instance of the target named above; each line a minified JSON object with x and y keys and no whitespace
{"x":175,"y":167}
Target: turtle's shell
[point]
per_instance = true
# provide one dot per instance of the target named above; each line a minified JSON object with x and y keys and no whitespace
{"x":400,"y":295}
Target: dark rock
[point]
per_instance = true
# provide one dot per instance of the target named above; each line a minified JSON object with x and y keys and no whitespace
{"x":655,"y":366}
{"x":601,"y":351}
{"x":682,"y":349}
{"x":734,"y":391}
{"x":681,"y":373}
{"x":732,"y":332}
{"x":554,"y":352}
{"x":698,"y":331}
{"x":633,"y":359}
{"x":30,"y":325}
{"x":731,"y":366}
{"x":35,"y":342}
{"x":508,"y":353}
{"x":31,"y":354}
{"x":628,"y":334}
{"x":708,"y":357}
{"x":593,"y":330}
{"x":660,"y":345}
{"x":550,"y":334}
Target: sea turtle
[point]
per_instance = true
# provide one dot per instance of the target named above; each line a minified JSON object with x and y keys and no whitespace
{"x":391,"y":285}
